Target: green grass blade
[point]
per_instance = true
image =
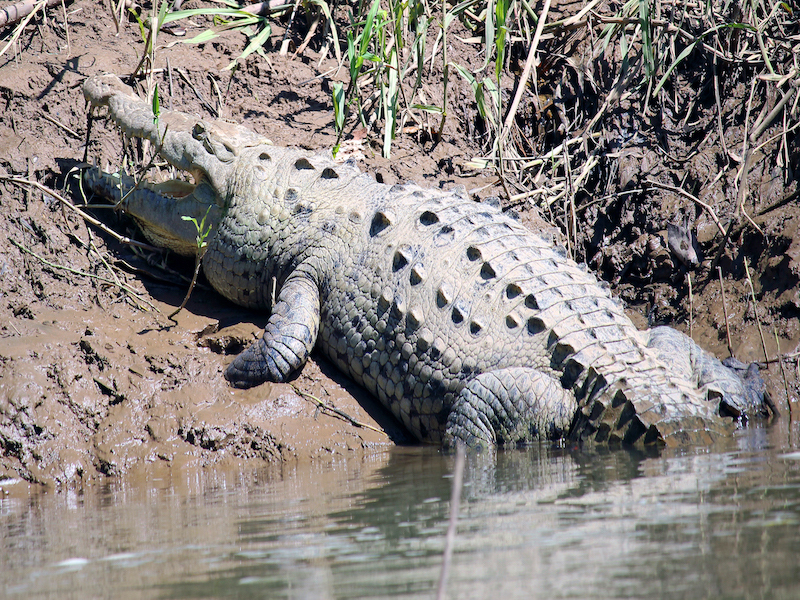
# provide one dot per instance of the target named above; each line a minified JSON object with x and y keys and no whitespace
{"x":390,"y":106}
{"x":258,"y":40}
{"x":688,"y":50}
{"x":338,"y":104}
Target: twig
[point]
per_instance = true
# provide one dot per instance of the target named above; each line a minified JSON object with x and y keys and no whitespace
{"x":570,"y":221}
{"x":147,"y":44}
{"x":264,"y":9}
{"x":89,"y":219}
{"x":755,"y":308}
{"x":759,"y":128}
{"x":53,"y":265}
{"x":445,"y":69}
{"x":311,"y":31}
{"x":694,"y":199}
{"x":169,"y":79}
{"x":783,"y":373}
{"x":691,"y":306}
{"x":455,"y":500}
{"x":47,"y":117}
{"x":719,"y":109}
{"x":285,"y":41}
{"x":66,"y":26}
{"x":197,"y":93}
{"x":526,"y":71}
{"x":16,"y":12}
{"x":725,"y":312}
{"x":198,"y":261}
{"x":19,"y":28}
{"x":113,"y":12}
{"x":335,"y":411}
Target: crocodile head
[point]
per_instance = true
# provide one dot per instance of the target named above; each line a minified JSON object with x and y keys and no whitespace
{"x":736,"y":388}
{"x":208,"y":151}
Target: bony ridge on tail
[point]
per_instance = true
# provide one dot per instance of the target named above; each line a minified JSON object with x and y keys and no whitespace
{"x":463,"y":323}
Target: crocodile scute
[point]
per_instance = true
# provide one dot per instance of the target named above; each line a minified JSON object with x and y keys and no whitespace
{"x":463,"y":323}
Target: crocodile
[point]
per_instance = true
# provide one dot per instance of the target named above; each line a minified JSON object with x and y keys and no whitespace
{"x":466,"y":325}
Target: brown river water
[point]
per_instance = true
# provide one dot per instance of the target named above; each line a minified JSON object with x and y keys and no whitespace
{"x":537,"y":523}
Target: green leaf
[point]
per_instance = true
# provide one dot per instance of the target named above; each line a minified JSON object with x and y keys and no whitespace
{"x":366,"y":34}
{"x":258,"y":40}
{"x":338,"y":104}
{"x":201,"y":38}
{"x":688,"y":50}
{"x":428,"y":108}
{"x":156,"y":104}
{"x":140,"y":22}
{"x":226,"y":12}
{"x":162,"y":13}
{"x":477,"y":92}
{"x":491,"y":15}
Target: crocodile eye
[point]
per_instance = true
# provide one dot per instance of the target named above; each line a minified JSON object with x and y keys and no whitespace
{"x":199,"y":132}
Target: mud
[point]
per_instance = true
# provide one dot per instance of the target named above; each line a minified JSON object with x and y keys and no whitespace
{"x":95,"y":380}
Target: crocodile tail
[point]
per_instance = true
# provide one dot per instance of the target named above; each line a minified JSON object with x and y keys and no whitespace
{"x":669,"y":413}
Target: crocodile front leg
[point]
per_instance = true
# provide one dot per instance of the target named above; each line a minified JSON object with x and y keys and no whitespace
{"x":289,"y":336}
{"x":510,"y":406}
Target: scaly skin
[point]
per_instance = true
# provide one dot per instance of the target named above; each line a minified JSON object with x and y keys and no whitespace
{"x":463,"y":323}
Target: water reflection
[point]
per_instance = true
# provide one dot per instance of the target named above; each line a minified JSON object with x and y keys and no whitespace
{"x":540,"y":523}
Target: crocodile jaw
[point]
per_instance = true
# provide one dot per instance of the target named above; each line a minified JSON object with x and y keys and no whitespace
{"x":208,"y":151}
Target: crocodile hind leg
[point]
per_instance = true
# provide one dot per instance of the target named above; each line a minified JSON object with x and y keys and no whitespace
{"x":289,"y":336}
{"x":510,"y":406}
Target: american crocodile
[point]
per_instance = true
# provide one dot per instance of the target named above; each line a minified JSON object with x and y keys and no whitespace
{"x":463,"y":323}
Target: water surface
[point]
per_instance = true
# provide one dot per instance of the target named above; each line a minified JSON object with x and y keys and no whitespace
{"x":540,"y":523}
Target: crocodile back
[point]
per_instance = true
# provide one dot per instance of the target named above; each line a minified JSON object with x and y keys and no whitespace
{"x":421,"y":290}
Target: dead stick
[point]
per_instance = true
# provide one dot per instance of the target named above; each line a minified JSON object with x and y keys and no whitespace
{"x":89,"y":219}
{"x":755,"y":308}
{"x":72,"y":132}
{"x":266,"y":8}
{"x":725,"y":312}
{"x":691,"y":306}
{"x":105,"y":280}
{"x":20,"y":10}
{"x":759,"y":128}
{"x":198,"y":261}
{"x":691,"y":197}
{"x":783,"y":373}
{"x":526,"y":71}
{"x":332,"y":409}
{"x":455,"y":500}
